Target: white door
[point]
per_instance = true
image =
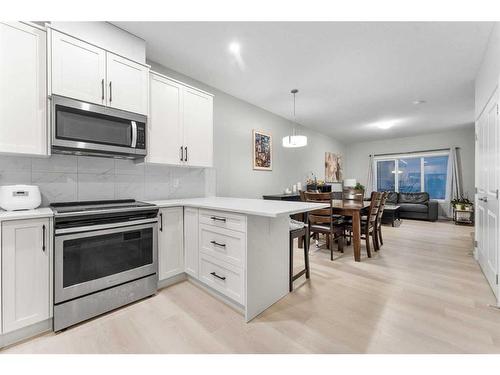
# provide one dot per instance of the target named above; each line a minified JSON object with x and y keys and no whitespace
{"x":25,"y":273}
{"x":487,"y":192}
{"x":191,"y":241}
{"x":170,"y":242}
{"x":78,"y":69}
{"x":23,"y":91}
{"x":127,"y":85}
{"x":198,"y":128}
{"x":165,"y":121}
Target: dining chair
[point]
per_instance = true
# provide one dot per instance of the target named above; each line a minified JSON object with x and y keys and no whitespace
{"x":378,"y":232}
{"x":323,"y":221}
{"x":368,"y":223}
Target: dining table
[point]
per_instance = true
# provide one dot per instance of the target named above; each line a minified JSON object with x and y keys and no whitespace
{"x":352,"y":208}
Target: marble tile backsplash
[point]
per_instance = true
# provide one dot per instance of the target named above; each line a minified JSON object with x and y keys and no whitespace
{"x":70,"y":178}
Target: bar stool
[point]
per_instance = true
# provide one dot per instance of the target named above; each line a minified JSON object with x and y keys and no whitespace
{"x":299,"y":233}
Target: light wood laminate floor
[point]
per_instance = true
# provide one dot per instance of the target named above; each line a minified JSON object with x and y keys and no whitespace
{"x":423,"y":293}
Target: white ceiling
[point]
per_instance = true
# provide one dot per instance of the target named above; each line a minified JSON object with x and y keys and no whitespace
{"x":349,"y":74}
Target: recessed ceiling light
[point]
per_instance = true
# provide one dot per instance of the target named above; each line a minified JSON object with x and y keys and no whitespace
{"x":418,"y":102}
{"x":234,"y":48}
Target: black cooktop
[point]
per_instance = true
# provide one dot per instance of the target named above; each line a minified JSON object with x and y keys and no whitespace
{"x":84,"y":206}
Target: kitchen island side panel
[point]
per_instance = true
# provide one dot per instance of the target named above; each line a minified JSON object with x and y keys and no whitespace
{"x":267,"y":263}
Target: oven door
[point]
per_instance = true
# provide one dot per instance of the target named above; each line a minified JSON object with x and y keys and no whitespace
{"x":91,"y":128}
{"x":86,"y":262}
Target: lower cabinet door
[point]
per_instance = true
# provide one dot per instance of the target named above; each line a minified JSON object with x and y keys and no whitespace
{"x":191,"y":241}
{"x":170,"y":242}
{"x":26,"y":254}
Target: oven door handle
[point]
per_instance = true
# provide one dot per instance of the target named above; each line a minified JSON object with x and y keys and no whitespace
{"x":89,"y":228}
{"x":134,"y":134}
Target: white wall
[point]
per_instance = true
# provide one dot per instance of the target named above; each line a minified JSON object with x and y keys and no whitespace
{"x":489,"y":71}
{"x":234,"y":120}
{"x":357,"y":153}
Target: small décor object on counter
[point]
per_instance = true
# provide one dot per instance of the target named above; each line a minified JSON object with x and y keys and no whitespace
{"x":19,"y":197}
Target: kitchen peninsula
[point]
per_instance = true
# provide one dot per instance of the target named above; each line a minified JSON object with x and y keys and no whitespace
{"x":237,"y":247}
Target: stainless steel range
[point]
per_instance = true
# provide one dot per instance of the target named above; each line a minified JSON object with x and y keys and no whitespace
{"x":105,"y":256}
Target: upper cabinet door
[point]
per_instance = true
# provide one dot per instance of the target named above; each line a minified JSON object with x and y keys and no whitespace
{"x":78,"y":69}
{"x":165,"y":121}
{"x":198,"y":127}
{"x":23,"y":91}
{"x":127,"y":84}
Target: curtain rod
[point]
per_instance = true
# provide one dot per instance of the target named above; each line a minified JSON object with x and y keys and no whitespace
{"x":414,"y":152}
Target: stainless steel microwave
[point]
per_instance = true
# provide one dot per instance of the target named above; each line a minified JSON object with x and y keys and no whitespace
{"x":89,"y":129}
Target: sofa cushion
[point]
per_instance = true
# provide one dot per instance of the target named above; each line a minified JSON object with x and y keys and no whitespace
{"x":392,"y":198}
{"x":413,"y":207}
{"x":413,"y":197}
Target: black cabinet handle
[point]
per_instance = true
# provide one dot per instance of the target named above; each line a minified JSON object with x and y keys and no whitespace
{"x":217,"y":276}
{"x":43,"y":238}
{"x":161,"y":222}
{"x":110,"y":91}
{"x":186,"y":157}
{"x":223,"y":219}
{"x":182,"y":153}
{"x":218,"y":244}
{"x":102,"y":89}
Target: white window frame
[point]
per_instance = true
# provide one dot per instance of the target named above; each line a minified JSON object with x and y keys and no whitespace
{"x":415,"y":155}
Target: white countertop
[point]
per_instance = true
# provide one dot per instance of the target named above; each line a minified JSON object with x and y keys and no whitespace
{"x":257,"y":207}
{"x":26,"y":214}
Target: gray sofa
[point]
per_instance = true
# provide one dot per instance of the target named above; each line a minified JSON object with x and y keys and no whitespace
{"x":414,"y":205}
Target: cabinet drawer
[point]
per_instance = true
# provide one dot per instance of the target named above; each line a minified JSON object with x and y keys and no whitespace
{"x":223,"y":277}
{"x":224,"y":244}
{"x":223,"y":219}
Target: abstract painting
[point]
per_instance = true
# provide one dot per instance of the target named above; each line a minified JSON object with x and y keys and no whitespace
{"x":262,"y":151}
{"x":333,"y":167}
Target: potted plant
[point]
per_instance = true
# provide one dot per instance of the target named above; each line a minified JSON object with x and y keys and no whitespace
{"x":462,"y":203}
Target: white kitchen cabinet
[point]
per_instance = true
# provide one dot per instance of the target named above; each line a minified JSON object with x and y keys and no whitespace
{"x":198,"y":128}
{"x":191,"y":241}
{"x":165,"y":121}
{"x":82,"y":71}
{"x":78,"y":69}
{"x":170,"y":242}
{"x":26,"y":256}
{"x":127,"y":84}
{"x":23,"y":92}
{"x":180,"y":124}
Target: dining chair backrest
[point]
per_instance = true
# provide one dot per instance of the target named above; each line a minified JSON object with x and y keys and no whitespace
{"x":352,"y":194}
{"x":383,"y":199}
{"x":323,"y":215}
{"x":376,"y":199}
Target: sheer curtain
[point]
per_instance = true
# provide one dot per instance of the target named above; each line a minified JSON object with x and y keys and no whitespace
{"x":369,"y":177}
{"x":454,"y":181}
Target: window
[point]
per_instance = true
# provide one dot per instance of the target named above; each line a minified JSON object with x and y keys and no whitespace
{"x":413,"y":173}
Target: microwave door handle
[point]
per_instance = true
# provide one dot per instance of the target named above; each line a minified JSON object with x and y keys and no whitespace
{"x":134,"y":134}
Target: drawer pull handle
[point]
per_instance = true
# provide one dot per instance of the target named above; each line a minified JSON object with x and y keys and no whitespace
{"x":217,"y":276}
{"x":218,"y":244}
{"x":218,"y":218}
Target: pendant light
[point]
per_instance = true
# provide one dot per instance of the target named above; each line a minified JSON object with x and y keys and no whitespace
{"x":294,"y":140}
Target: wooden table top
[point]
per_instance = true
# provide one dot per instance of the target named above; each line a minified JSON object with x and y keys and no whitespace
{"x":350,"y":204}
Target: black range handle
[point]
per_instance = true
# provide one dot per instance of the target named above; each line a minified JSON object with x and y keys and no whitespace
{"x":218,"y":244}
{"x":223,"y":219}
{"x":217,"y":276}
{"x":43,"y":238}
